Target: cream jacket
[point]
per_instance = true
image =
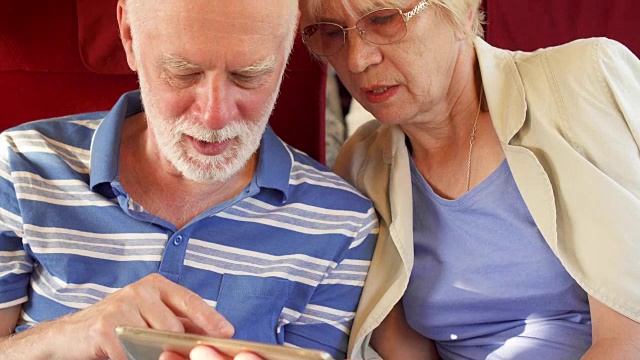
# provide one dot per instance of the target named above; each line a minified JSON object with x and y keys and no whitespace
{"x":568,"y":119}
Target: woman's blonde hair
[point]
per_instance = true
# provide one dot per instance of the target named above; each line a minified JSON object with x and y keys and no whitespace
{"x":455,"y":11}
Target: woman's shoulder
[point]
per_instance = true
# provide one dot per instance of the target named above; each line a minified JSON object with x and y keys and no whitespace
{"x":582,"y":57}
{"x":579,"y":72}
{"x":369,"y":147}
{"x":584,"y":46}
{"x":355,"y":151}
{"x":365,"y":131}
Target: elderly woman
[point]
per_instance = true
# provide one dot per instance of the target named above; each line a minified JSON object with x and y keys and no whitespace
{"x":507,"y":183}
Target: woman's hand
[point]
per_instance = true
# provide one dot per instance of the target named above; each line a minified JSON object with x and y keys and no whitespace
{"x":202,"y":352}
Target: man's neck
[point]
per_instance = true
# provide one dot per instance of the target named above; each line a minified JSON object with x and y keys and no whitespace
{"x":152,"y":183}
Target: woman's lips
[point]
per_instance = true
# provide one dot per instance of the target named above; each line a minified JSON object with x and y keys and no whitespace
{"x":378,"y":94}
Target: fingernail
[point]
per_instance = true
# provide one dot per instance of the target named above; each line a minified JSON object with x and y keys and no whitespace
{"x":226,"y":329}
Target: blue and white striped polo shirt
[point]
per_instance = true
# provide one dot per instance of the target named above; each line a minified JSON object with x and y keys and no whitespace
{"x":284,"y":261}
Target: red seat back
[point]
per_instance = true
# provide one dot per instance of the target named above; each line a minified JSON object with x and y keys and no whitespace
{"x":529,"y":25}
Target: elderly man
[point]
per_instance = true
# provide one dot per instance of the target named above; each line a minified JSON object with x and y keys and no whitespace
{"x":190,"y":215}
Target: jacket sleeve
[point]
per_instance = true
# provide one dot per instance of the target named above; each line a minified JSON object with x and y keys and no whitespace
{"x":620,"y":72}
{"x":597,"y":188}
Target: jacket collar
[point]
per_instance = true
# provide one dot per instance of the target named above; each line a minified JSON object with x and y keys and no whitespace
{"x":503,"y":89}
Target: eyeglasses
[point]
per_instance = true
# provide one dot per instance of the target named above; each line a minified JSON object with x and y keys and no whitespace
{"x":380,"y":27}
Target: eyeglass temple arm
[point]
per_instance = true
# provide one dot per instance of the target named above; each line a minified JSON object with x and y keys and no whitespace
{"x":421,"y":6}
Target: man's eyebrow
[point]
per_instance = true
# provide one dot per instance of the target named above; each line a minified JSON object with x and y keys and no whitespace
{"x":178,"y":63}
{"x":258,"y":68}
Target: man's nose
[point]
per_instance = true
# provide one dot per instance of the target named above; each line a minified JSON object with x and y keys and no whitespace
{"x":216,"y":103}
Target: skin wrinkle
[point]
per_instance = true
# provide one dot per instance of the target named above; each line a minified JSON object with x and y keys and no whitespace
{"x":249,"y":76}
{"x":433,"y":105}
{"x":135,"y":9}
{"x":140,"y":23}
{"x":454,"y":11}
{"x":181,"y":73}
{"x":217,"y":83}
{"x":216,"y":97}
{"x":160,"y":188}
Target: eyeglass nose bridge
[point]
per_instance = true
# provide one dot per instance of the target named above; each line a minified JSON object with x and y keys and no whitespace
{"x":359,"y":30}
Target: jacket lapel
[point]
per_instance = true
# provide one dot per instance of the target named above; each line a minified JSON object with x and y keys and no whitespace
{"x":508,"y":107}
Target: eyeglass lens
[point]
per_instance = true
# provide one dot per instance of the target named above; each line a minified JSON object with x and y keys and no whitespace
{"x":380,"y":27}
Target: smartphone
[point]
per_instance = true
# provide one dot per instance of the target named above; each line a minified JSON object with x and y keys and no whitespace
{"x":148,"y":344}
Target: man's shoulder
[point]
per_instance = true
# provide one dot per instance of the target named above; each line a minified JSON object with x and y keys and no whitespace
{"x":59,"y":128}
{"x":313,"y":180}
{"x":68,"y":138}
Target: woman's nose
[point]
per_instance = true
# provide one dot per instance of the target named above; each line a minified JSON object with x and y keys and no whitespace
{"x":361,"y":53}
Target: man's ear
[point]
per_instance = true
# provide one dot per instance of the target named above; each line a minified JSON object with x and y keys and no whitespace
{"x":125,"y":34}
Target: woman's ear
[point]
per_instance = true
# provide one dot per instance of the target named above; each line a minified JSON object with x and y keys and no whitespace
{"x":466,"y":29}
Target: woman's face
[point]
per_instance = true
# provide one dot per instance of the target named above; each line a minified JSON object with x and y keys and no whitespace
{"x":400,"y":82}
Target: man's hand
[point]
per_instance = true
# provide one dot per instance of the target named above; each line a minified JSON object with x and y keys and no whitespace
{"x":202,"y":352}
{"x":153,"y":302}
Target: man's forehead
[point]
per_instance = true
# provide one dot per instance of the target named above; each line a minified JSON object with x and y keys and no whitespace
{"x":274,"y":13}
{"x":196,"y":22}
{"x":206,"y":37}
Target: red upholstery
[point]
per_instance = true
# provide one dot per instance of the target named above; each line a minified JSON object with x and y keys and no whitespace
{"x":529,"y":25}
{"x":64,"y":57}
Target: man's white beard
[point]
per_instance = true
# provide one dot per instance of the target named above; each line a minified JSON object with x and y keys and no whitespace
{"x":170,"y":139}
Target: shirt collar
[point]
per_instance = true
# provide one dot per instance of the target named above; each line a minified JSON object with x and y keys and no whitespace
{"x":274,"y":161}
{"x":274,"y":164}
{"x":105,"y":147}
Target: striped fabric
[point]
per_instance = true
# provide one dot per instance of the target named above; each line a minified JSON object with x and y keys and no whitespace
{"x":284,"y":261}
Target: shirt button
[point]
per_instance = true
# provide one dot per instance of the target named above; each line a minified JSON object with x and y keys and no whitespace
{"x":177,"y":240}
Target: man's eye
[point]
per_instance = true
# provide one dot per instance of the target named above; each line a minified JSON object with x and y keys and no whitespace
{"x":248,"y":81}
{"x":187,"y":76}
{"x":181,"y":80}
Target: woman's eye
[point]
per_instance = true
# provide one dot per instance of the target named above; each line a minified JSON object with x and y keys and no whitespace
{"x":333,"y":32}
{"x":382,"y":19}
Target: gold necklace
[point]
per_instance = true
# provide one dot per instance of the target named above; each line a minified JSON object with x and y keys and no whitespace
{"x":473,"y":138}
